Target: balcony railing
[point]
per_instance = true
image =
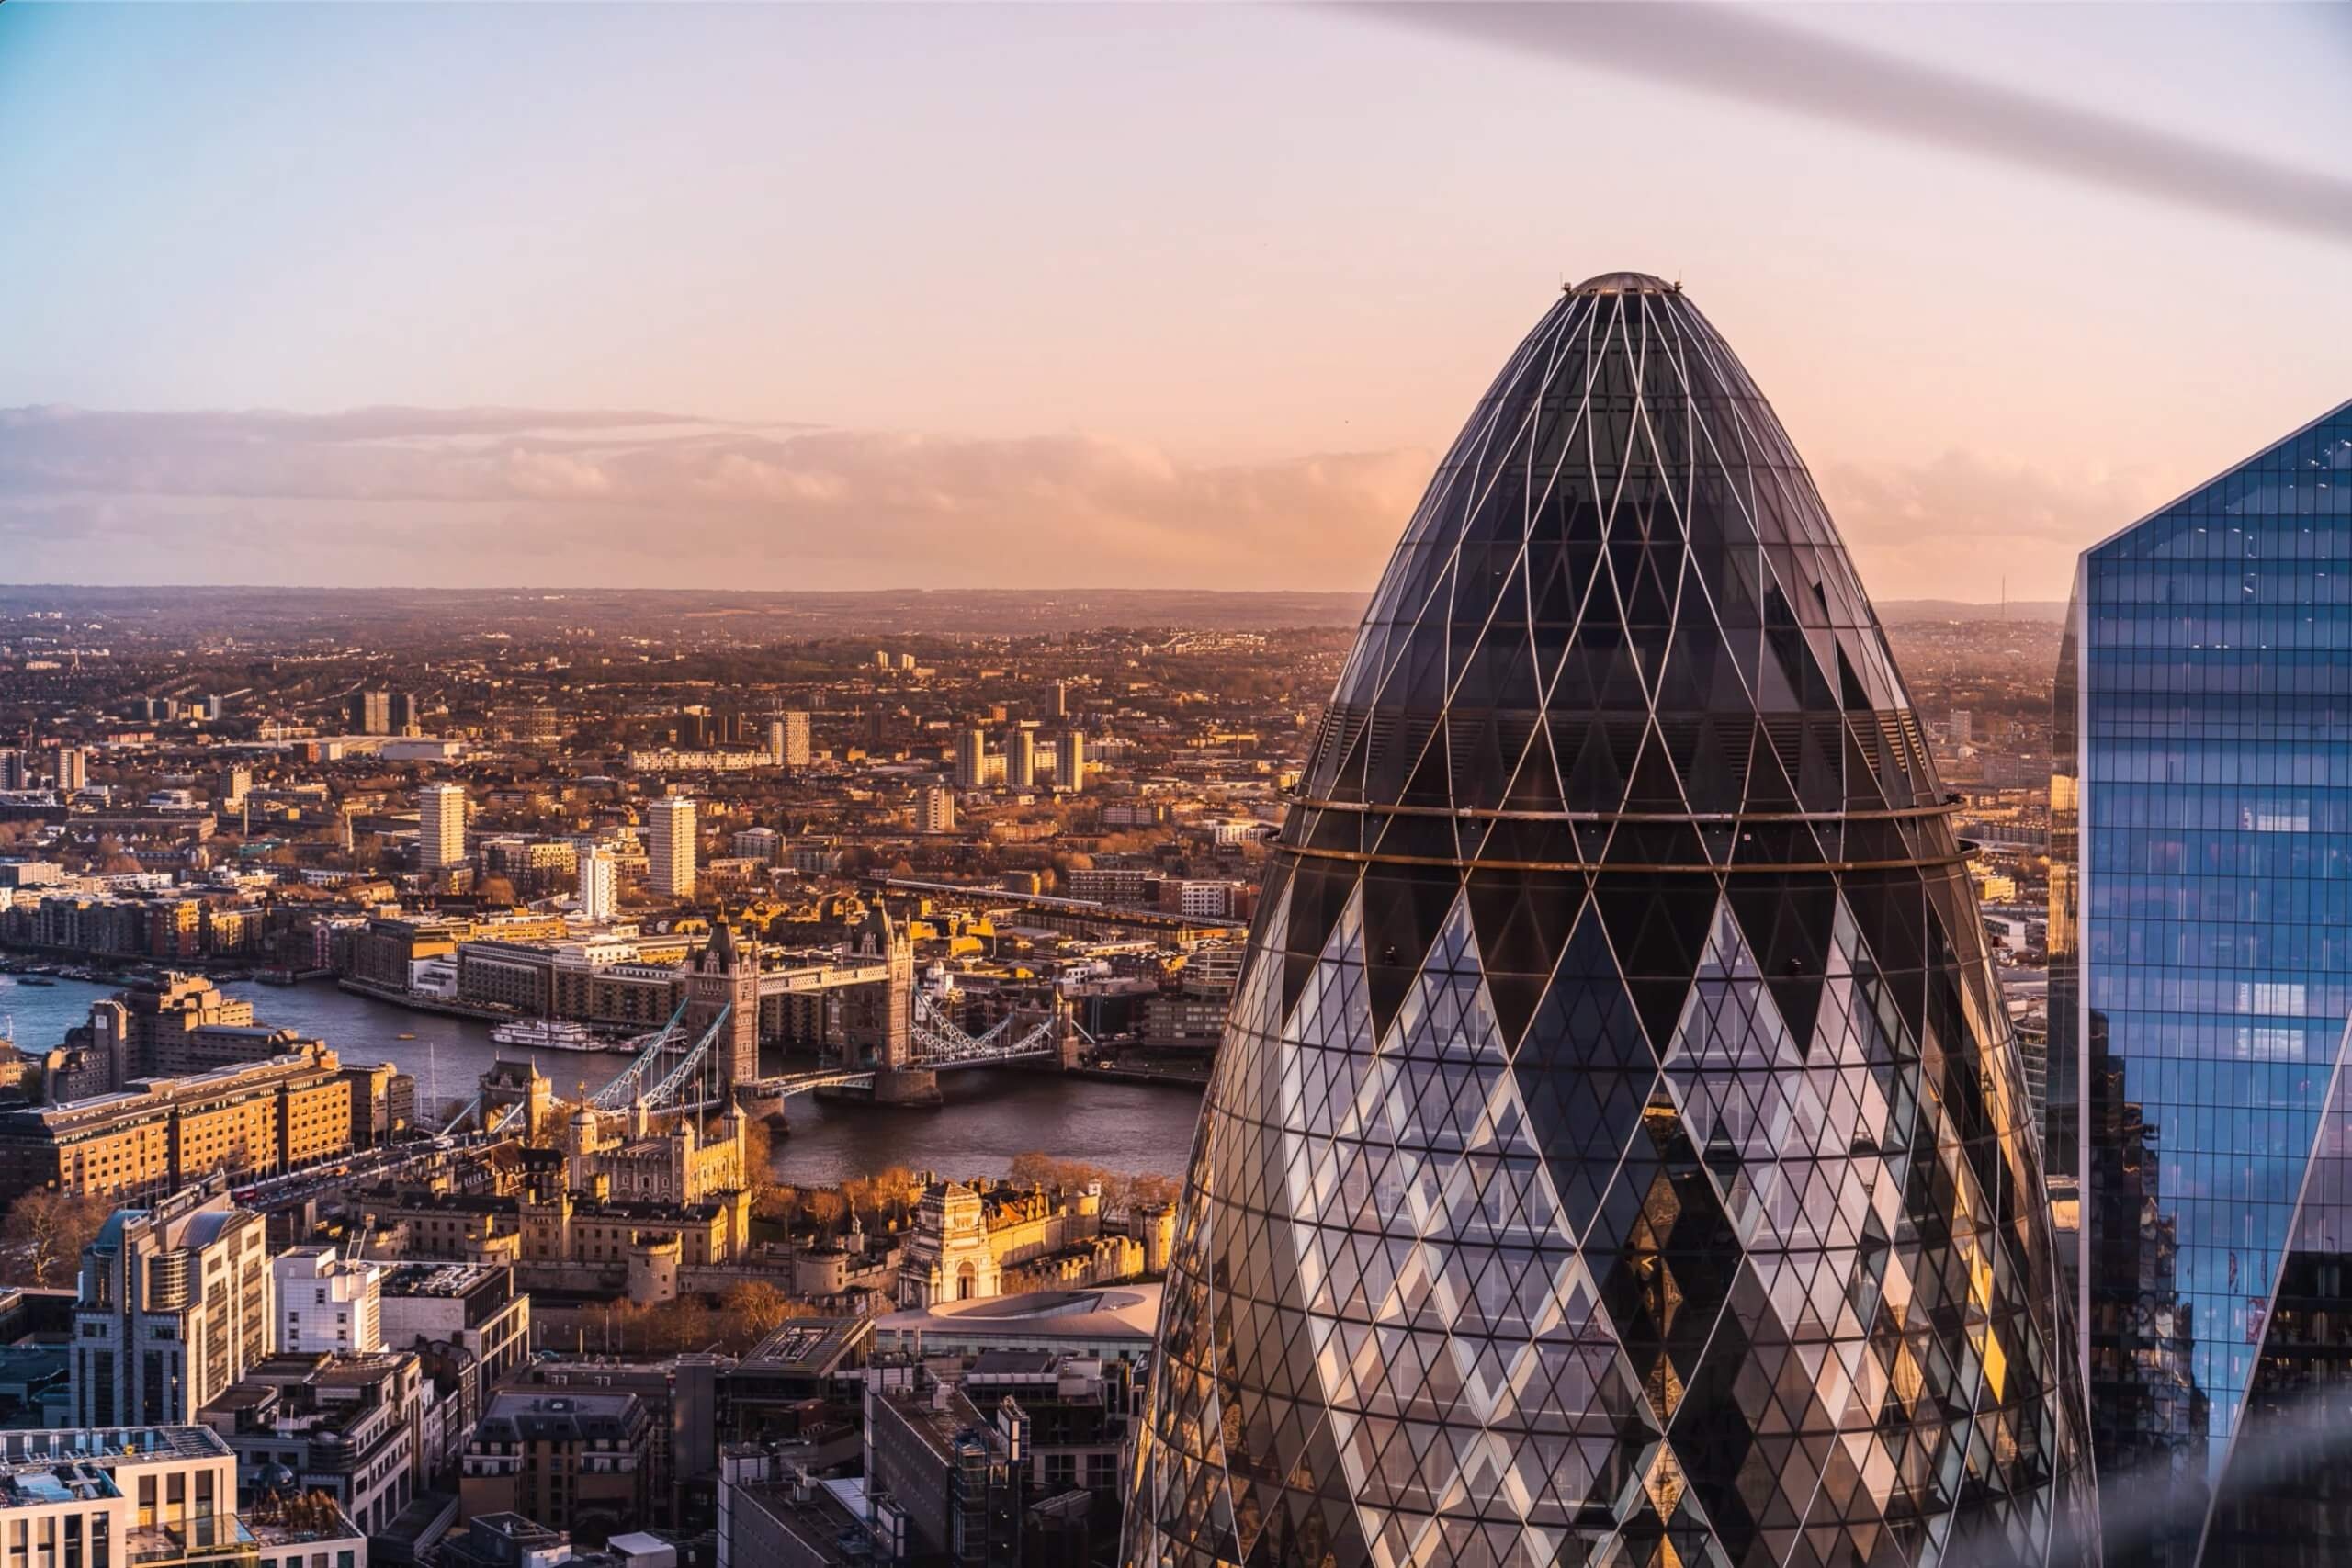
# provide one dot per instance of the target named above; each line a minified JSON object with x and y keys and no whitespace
{"x":222,"y":1536}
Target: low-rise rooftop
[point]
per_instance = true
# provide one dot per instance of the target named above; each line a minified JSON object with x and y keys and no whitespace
{"x":46,"y":1467}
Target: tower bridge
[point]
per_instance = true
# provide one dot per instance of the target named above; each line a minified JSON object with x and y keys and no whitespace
{"x":896,"y":1040}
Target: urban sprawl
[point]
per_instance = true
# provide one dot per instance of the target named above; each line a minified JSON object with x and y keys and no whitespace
{"x":274,"y":1297}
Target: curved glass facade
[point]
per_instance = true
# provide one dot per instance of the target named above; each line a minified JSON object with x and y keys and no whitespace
{"x":2212,"y":688}
{"x":1618,"y":1153}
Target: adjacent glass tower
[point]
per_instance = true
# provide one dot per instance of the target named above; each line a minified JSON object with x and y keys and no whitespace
{"x":2204,"y":840}
{"x":1618,"y":1154}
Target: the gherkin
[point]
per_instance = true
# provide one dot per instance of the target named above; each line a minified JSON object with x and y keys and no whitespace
{"x":1618,"y":1154}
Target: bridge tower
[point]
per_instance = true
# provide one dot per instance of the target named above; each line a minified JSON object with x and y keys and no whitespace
{"x":726,"y":976}
{"x":879,"y":1019}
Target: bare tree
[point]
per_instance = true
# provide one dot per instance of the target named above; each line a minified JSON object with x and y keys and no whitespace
{"x":44,"y":1234}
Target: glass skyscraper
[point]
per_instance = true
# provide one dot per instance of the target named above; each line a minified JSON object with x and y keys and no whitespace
{"x":1618,"y":1153}
{"x":2201,"y":937}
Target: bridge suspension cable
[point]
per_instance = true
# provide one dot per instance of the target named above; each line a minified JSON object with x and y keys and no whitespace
{"x":616,"y":1095}
{"x":939,"y":1040}
{"x":668,"y":1095}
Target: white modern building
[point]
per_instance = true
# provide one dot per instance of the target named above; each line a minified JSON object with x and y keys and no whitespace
{"x":327,"y":1303}
{"x":599,"y":883}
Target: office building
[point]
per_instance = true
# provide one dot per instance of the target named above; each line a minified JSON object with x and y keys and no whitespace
{"x":174,"y":1304}
{"x":571,"y":1461}
{"x":971,"y":760}
{"x":153,"y":1495}
{"x":471,"y":1325}
{"x":955,"y":1475}
{"x":369,"y":713}
{"x":670,"y":850}
{"x":2201,"y":940}
{"x":343,"y":1422}
{"x":788,"y":740}
{"x":535,"y":867}
{"x":936,"y":809}
{"x":1020,"y":760}
{"x":1617,"y":1153}
{"x":327,"y":1304}
{"x":758,"y":845}
{"x":440,"y":826}
{"x":770,"y":1516}
{"x":1069,"y":763}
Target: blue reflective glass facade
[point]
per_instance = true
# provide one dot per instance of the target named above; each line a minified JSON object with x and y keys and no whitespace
{"x":2208,"y":666}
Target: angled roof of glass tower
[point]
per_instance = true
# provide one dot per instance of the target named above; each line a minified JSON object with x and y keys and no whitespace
{"x":1617,"y":1151}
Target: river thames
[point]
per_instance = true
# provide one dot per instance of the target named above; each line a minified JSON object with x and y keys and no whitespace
{"x":989,"y":1117}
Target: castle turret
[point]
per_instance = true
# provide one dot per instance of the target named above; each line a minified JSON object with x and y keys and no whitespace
{"x":580,"y":1144}
{"x":653,"y":1269}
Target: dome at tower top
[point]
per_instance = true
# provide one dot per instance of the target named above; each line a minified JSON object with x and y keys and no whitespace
{"x":1625,"y":283}
{"x":1621,"y":593}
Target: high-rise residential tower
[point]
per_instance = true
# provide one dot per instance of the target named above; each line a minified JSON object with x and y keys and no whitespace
{"x":670,"y":851}
{"x":1069,"y":762}
{"x":440,"y":826}
{"x":971,"y":760}
{"x":936,"y":809}
{"x":2201,"y":942}
{"x":69,"y":767}
{"x":1617,"y":1153}
{"x":1020,"y":760}
{"x":788,"y":740}
{"x":599,"y":881}
{"x":369,"y":713}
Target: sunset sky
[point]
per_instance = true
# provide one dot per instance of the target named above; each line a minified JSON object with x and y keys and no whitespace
{"x":754,"y":296}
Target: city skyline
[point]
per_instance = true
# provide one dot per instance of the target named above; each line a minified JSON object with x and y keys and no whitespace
{"x":780,"y":789}
{"x":848,"y":348}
